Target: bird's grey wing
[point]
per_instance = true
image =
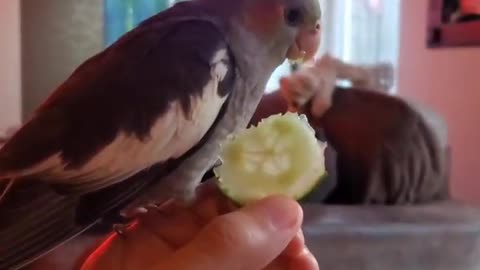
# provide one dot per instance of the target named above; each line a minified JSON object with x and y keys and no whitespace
{"x":149,"y":98}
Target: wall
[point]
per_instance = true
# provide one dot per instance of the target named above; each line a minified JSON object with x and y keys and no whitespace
{"x":449,"y":81}
{"x":58,"y":35}
{"x":10,"y":87}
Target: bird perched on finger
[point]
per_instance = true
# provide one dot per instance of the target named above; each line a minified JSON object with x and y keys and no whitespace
{"x":143,"y":120}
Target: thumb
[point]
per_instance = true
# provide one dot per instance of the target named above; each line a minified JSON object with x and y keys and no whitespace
{"x":250,"y":238}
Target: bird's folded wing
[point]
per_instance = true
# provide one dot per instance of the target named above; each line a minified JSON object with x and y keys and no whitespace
{"x":147,"y":99}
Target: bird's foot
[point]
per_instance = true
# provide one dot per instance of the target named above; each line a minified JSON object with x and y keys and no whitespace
{"x":140,"y":206}
{"x":133,"y":213}
{"x":186,"y":196}
{"x":182,"y":192}
{"x":121,"y":229}
{"x":314,"y":83}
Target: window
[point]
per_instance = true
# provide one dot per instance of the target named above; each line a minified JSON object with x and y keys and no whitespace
{"x":356,"y":31}
{"x":123,"y":15}
{"x":362,"y":31}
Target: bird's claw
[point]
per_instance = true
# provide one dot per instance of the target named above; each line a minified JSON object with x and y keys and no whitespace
{"x":137,"y":208}
{"x":153,"y":200}
{"x":178,"y":186}
{"x":120,"y":229}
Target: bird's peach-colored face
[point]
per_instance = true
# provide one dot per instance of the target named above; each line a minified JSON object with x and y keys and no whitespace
{"x":268,"y":16}
{"x":306,"y":44}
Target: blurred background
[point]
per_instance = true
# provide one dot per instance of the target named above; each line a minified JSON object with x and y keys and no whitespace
{"x":43,"y":41}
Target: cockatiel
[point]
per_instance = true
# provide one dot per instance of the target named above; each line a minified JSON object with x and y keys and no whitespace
{"x":143,"y":120}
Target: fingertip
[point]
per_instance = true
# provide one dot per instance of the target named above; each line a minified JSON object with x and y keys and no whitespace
{"x":282,"y":212}
{"x":260,"y":232}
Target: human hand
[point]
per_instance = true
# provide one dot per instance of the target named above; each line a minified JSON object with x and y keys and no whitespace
{"x":314,"y":84}
{"x":212,"y":235}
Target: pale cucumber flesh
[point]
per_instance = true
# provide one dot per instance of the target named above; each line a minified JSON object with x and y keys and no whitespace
{"x":280,"y":156}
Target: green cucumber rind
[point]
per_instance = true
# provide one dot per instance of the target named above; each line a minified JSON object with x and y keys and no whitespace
{"x":319,"y":183}
{"x":238,"y":202}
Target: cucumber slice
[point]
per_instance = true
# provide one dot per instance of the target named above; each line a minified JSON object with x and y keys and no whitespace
{"x":279,"y":156}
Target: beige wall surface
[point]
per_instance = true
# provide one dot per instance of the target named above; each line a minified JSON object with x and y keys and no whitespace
{"x":10,"y":86}
{"x":58,"y":35}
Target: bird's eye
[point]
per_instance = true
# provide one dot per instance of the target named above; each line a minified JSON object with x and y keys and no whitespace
{"x":293,"y":16}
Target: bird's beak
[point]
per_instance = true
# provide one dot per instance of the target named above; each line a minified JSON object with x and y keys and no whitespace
{"x":306,"y":44}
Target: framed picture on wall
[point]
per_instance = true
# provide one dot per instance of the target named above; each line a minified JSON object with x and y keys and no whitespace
{"x":453,"y":23}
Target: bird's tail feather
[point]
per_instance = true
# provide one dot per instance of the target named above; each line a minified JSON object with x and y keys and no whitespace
{"x":33,"y":221}
{"x":35,"y":218}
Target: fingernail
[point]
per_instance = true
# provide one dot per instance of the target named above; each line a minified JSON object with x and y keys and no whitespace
{"x":282,"y":212}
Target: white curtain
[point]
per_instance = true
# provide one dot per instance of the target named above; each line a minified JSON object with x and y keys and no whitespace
{"x":358,"y":32}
